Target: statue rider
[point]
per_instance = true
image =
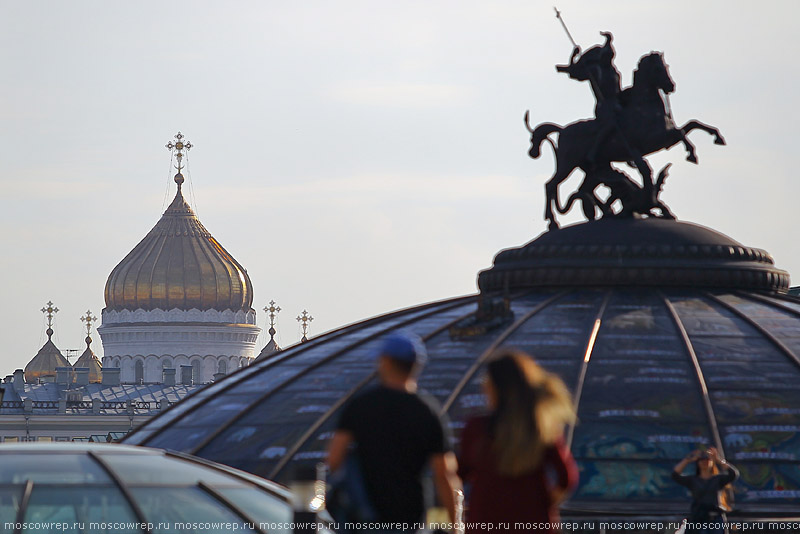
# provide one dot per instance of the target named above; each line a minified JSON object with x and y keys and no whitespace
{"x":597,"y":66}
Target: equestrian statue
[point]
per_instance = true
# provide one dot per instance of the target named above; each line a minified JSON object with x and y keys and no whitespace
{"x":629,"y":124}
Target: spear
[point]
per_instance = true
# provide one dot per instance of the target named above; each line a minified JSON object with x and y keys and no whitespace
{"x":563,"y":25}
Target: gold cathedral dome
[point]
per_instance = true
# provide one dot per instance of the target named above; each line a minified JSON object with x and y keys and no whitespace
{"x":43,"y":365}
{"x":179,"y":264}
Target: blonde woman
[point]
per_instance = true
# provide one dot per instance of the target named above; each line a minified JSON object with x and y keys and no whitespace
{"x":514,"y":458}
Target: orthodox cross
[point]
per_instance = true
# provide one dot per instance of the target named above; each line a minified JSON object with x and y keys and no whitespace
{"x":179,"y":145}
{"x":304,"y":319}
{"x":88,"y":319}
{"x":50,"y":311}
{"x":273,"y":311}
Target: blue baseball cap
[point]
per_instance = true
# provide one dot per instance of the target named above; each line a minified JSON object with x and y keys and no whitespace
{"x":404,"y":346}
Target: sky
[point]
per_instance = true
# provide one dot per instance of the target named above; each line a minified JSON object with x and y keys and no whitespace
{"x":355,"y":157}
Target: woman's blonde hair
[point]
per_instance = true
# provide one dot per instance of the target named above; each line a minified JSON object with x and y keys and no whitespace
{"x":533,"y":406}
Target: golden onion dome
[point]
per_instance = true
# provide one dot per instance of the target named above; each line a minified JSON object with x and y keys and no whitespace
{"x":90,"y":361}
{"x":44,"y":364}
{"x":180,"y":265}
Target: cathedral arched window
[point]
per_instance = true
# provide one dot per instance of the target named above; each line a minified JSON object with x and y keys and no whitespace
{"x":222,"y":367}
{"x":166,"y":364}
{"x":138,"y":372}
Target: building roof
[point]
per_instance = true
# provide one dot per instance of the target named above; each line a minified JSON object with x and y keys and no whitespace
{"x":143,"y":398}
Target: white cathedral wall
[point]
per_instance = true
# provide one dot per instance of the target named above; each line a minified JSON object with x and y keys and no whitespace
{"x":174,"y":345}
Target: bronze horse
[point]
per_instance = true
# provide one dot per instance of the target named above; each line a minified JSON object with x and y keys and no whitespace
{"x":642,"y":127}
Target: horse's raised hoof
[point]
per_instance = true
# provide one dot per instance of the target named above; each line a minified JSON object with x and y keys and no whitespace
{"x":691,"y":158}
{"x":719,"y":141}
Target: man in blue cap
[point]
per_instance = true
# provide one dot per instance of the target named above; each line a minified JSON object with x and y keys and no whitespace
{"x":394,"y":434}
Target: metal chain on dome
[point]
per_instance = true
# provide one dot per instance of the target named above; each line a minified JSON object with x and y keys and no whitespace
{"x":169,"y":179}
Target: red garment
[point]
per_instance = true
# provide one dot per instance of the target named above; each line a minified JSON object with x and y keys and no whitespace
{"x":525,"y":499}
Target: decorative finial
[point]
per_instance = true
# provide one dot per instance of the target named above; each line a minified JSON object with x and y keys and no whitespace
{"x":304,"y":318}
{"x":88,"y":319}
{"x":179,"y":146}
{"x":50,"y":311}
{"x":273,"y":311}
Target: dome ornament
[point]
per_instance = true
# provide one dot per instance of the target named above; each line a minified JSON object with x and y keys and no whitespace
{"x":179,"y":145}
{"x":304,"y":319}
{"x":272,"y":310}
{"x":88,"y":319}
{"x":50,"y":312}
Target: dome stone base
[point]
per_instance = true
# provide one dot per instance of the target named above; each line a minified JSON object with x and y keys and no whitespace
{"x":634,"y":252}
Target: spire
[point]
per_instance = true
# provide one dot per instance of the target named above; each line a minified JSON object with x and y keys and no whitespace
{"x":304,"y":319}
{"x":179,"y":146}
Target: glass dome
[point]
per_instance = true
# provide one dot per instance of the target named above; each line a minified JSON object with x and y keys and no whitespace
{"x":656,"y":370}
{"x":92,"y":488}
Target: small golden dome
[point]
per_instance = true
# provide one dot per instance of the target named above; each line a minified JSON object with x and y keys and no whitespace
{"x":180,"y":265}
{"x":90,"y":361}
{"x":44,"y":364}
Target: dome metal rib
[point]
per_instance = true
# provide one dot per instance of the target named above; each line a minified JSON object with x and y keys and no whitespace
{"x":701,"y":380}
{"x":764,"y":332}
{"x":259,"y":400}
{"x":291,"y":451}
{"x":230,"y":382}
{"x":598,"y":322}
{"x":488,"y":352}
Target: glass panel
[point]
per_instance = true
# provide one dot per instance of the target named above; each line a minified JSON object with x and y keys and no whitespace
{"x":781,"y":323}
{"x":726,"y":349}
{"x":257,"y":448}
{"x":762,"y":442}
{"x":10,"y":497}
{"x":301,"y":401}
{"x":718,"y":331}
{"x":631,"y":481}
{"x":763,"y":407}
{"x":647,"y":389}
{"x":96,"y":509}
{"x":643,"y":440}
{"x":157,"y":469}
{"x":193,"y":509}
{"x":768,"y":482}
{"x":556,"y":336}
{"x":702,"y":318}
{"x":261,"y":507}
{"x":51,"y":468}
